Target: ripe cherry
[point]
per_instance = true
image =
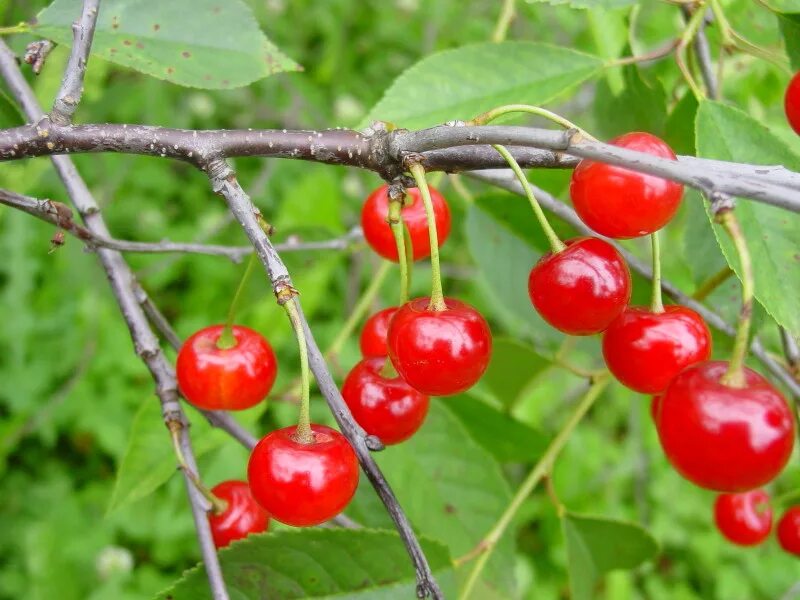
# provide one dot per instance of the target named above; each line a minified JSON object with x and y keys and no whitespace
{"x":620,"y":203}
{"x":439,"y":352}
{"x":791,"y":103}
{"x":373,"y":335}
{"x":231,"y":379}
{"x":242,"y":516}
{"x":379,"y":235}
{"x":303,"y":484}
{"x":386,"y":407}
{"x":723,"y":438}
{"x":646,"y":350}
{"x":789,"y":530}
{"x":581,"y":289}
{"x":745,"y":518}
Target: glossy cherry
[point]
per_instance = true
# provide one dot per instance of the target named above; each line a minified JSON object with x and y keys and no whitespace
{"x":791,"y":103}
{"x":745,"y":518}
{"x":379,"y":235}
{"x":725,"y":438}
{"x":242,"y":516}
{"x":620,"y":203}
{"x":789,"y":530}
{"x":373,"y":335}
{"x":232,"y":379}
{"x":646,"y":350}
{"x":303,"y":484}
{"x":439,"y":353}
{"x":581,"y":289}
{"x":386,"y":407}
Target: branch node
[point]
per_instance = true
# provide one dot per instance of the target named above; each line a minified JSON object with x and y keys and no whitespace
{"x":284,"y":291}
{"x":721,"y":203}
{"x":374,"y":443}
{"x":36,"y":53}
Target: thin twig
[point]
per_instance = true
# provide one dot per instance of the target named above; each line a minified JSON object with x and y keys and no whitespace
{"x":223,"y":181}
{"x":703,"y":54}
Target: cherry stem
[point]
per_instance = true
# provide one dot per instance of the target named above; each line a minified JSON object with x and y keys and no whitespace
{"x":784,"y":500}
{"x":397,"y":225}
{"x":734,"y":376}
{"x":656,"y":303}
{"x":303,"y":433}
{"x":226,"y":338}
{"x":709,"y":285}
{"x":542,"y":468}
{"x":506,"y":109}
{"x":218,"y":505}
{"x":555,"y":243}
{"x":19,"y":28}
{"x":689,"y":34}
{"x":437,"y":303}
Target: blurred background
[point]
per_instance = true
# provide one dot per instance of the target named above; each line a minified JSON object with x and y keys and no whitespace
{"x":76,"y":403}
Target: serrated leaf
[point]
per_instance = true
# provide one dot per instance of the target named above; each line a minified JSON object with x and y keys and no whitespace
{"x":596,"y":546}
{"x":508,"y":439}
{"x":317,"y":563}
{"x":461,"y":83}
{"x":453,"y":490}
{"x":772,"y":234}
{"x":784,"y":6}
{"x":196,"y":43}
{"x":149,"y":460}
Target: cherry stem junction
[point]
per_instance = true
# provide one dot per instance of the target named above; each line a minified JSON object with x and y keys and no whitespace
{"x":403,"y":243}
{"x":495,"y":113}
{"x":656,"y":302}
{"x":734,"y":376}
{"x":226,"y":338}
{"x":555,"y":243}
{"x":437,"y":303}
{"x":303,"y":433}
{"x":218,"y":505}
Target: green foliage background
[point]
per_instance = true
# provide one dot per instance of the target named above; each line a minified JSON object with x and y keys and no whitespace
{"x":77,"y":407}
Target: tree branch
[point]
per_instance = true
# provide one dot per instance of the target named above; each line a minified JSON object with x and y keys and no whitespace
{"x":144,"y":341}
{"x":71,"y":90}
{"x":506,"y":180}
{"x":223,"y":181}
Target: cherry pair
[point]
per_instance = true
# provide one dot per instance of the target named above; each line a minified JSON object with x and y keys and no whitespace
{"x":746,"y":520}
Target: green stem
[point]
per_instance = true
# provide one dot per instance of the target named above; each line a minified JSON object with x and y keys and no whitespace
{"x":359,"y":310}
{"x":303,"y":433}
{"x":495,"y":113}
{"x":555,"y":243}
{"x":786,"y":500}
{"x":437,"y":295}
{"x":656,"y":303}
{"x":542,"y":468}
{"x":226,"y":339}
{"x":504,"y":21}
{"x":18,"y":28}
{"x":397,"y":226}
{"x":683,"y":46}
{"x":734,"y":376}
{"x":709,"y":285}
{"x":723,"y":25}
{"x":218,"y":505}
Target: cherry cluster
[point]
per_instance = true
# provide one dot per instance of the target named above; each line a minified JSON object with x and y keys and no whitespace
{"x":746,"y":520}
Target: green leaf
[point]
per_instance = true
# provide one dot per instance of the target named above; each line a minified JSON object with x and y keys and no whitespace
{"x":196,"y":43}
{"x":772,"y":234}
{"x":596,"y":546}
{"x":512,"y":367}
{"x":641,"y":106}
{"x":461,"y":83}
{"x":453,"y":490}
{"x":790,"y":28}
{"x":588,"y":3}
{"x":784,"y":6}
{"x":508,"y":439}
{"x":10,"y":115}
{"x":317,"y":563}
{"x":149,"y":460}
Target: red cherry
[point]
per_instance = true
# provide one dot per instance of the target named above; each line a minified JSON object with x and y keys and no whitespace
{"x":388,"y":408}
{"x":303,"y":484}
{"x":231,"y":379}
{"x":792,"y":103}
{"x":439,"y":353}
{"x":379,"y":235}
{"x":655,"y":406}
{"x":746,"y":518}
{"x":373,"y":335}
{"x":242,"y":516}
{"x":789,"y":530}
{"x":581,"y":289}
{"x":724,"y":438}
{"x":620,"y":203}
{"x":645,"y":350}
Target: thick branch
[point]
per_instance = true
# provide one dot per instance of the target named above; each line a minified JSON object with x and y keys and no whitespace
{"x":144,"y":341}
{"x":506,"y":180}
{"x":71,"y":90}
{"x":224,"y":182}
